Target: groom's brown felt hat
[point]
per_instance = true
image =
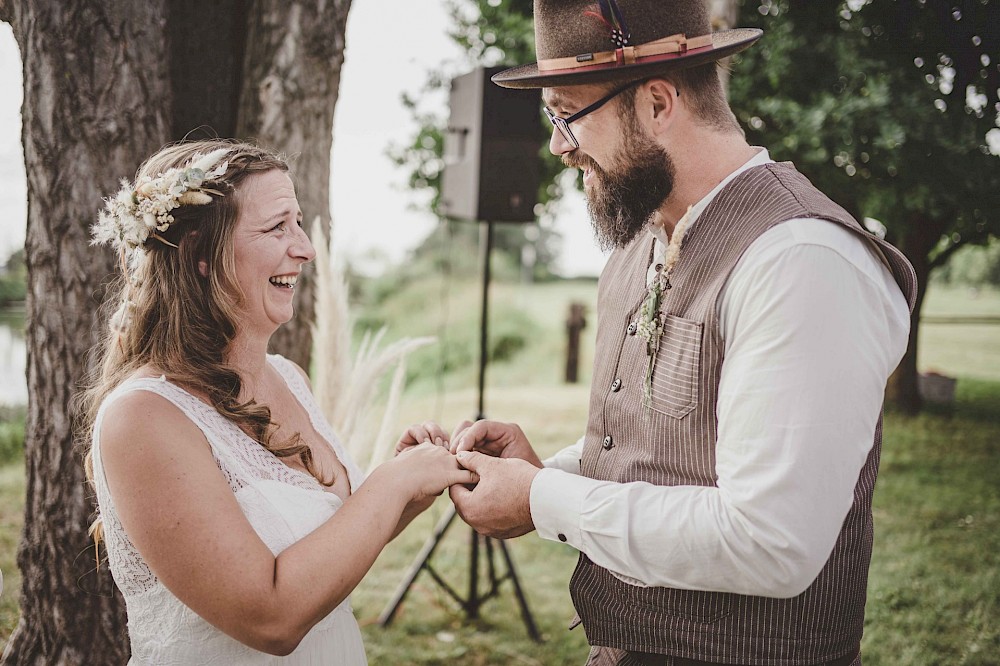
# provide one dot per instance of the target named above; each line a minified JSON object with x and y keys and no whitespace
{"x":596,"y":41}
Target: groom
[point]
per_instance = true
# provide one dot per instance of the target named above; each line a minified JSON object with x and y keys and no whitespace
{"x":721,"y":496}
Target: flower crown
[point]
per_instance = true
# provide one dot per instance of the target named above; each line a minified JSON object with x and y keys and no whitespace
{"x":142,"y":211}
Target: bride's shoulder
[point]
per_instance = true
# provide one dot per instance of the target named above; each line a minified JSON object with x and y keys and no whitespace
{"x":142,"y":408}
{"x":138,"y":423}
{"x":145,"y":402}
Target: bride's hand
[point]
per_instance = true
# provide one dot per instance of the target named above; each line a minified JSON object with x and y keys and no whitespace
{"x":418,"y":433}
{"x":426,"y":470}
{"x":422,"y":472}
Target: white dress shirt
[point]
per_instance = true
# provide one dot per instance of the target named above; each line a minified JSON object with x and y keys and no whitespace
{"x":813,"y":324}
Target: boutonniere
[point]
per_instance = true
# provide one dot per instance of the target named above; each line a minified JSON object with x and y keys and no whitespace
{"x":651,"y":316}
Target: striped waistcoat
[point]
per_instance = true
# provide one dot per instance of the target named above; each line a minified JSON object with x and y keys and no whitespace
{"x":674,"y":443}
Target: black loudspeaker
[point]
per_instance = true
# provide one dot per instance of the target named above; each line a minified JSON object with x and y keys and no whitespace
{"x":491,"y":151}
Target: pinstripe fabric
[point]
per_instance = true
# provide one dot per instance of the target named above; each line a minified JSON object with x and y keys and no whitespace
{"x":602,"y":656}
{"x":674,"y":444}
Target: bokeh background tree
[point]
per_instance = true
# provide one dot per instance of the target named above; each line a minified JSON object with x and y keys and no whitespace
{"x":106,"y":84}
{"x":889,"y":108}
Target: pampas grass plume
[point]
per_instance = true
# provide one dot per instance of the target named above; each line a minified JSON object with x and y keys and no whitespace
{"x":346,"y":388}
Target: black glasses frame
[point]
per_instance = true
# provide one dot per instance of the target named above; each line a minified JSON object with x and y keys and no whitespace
{"x":562,"y":124}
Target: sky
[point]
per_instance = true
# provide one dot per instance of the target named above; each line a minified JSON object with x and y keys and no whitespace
{"x":375,"y":219}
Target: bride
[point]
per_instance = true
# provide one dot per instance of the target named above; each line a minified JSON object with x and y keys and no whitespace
{"x":236,"y":526}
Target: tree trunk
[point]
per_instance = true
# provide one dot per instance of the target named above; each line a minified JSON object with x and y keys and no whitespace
{"x":106,"y":83}
{"x":96,"y":99}
{"x":206,"y":66}
{"x":923,"y":233}
{"x":291,"y":77}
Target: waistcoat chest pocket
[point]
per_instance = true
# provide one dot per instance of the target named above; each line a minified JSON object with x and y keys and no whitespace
{"x":674,"y":389}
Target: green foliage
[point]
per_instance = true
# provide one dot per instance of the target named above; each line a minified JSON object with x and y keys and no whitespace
{"x":12,"y":494}
{"x":11,"y":433}
{"x":13,"y":280}
{"x":492,"y":32}
{"x":454,"y":247}
{"x":884,"y":105}
{"x":419,"y":299}
{"x":972,"y":266}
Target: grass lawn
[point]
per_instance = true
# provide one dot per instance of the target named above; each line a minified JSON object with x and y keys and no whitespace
{"x":934,"y":587}
{"x":11,"y":520}
{"x":960,"y":350}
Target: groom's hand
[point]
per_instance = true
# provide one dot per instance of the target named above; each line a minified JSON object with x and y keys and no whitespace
{"x":502,"y":440}
{"x":499,"y":505}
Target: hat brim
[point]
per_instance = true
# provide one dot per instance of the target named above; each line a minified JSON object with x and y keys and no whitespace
{"x":724,"y":43}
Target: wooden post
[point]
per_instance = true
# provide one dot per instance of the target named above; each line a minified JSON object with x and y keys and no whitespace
{"x":575,"y":322}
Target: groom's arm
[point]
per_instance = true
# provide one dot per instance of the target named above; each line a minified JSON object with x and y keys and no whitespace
{"x":567,"y":459}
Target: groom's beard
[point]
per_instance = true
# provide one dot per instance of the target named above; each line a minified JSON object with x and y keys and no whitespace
{"x":621,"y":201}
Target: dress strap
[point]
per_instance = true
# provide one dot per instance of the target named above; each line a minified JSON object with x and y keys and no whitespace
{"x":300,"y":389}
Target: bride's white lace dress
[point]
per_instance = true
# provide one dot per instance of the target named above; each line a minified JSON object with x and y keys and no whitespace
{"x":282,"y":504}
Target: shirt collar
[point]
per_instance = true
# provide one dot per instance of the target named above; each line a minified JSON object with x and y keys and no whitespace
{"x":761,"y":157}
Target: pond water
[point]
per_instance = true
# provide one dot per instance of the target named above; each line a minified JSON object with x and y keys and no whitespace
{"x":13,"y":358}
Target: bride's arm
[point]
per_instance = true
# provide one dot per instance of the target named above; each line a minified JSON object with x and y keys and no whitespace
{"x":183,"y":518}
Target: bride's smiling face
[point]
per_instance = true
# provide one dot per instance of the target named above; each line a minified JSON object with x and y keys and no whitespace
{"x":269,"y":247}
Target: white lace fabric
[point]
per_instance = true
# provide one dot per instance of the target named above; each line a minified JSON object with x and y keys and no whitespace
{"x":282,"y":504}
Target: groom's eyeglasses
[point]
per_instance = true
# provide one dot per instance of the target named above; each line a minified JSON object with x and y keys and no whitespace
{"x":562,"y":124}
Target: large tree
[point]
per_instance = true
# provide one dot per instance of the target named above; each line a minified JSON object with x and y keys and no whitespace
{"x":886,"y":106}
{"x":105,"y":84}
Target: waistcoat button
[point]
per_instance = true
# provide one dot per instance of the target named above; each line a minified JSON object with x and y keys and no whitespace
{"x":608,"y":442}
{"x":562,"y":537}
{"x":632,"y":328}
{"x":615,"y":385}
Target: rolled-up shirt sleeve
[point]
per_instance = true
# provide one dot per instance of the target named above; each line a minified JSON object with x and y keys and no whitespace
{"x":813,"y":325}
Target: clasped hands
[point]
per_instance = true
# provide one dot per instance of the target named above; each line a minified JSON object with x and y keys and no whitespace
{"x":502,"y":458}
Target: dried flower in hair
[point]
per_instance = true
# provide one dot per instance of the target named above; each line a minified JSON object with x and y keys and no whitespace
{"x":139,"y":211}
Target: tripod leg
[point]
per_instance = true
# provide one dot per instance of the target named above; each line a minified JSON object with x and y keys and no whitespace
{"x":529,"y":621}
{"x":419,"y":563}
{"x":473,"y":601}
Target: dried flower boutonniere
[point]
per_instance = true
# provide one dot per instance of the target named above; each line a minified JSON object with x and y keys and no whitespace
{"x":651,"y":318}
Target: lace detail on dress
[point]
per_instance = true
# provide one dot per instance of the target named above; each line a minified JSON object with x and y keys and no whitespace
{"x":283,"y":505}
{"x":297,"y":385}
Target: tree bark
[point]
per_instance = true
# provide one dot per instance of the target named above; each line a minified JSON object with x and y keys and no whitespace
{"x":96,"y":99}
{"x":291,"y":79}
{"x":107,"y":83}
{"x":207,"y":44}
{"x":923,"y":233}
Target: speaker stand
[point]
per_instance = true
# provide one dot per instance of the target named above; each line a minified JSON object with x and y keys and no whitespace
{"x":477,"y":543}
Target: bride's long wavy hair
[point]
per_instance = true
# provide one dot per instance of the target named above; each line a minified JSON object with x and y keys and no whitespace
{"x":179,"y":318}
